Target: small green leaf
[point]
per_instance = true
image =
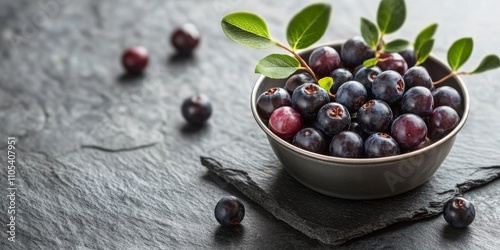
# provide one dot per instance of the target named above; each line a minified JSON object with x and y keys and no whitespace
{"x":459,"y":52}
{"x":397,"y":45}
{"x":488,"y":63}
{"x":424,"y":51}
{"x":247,"y":29}
{"x":277,"y":66}
{"x":426,"y":34}
{"x":308,"y":26}
{"x":369,"y":32}
{"x":370,"y":62}
{"x":326,"y":83}
{"x":391,"y":15}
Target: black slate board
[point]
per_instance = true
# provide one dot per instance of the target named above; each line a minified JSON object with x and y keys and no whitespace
{"x":255,"y":171}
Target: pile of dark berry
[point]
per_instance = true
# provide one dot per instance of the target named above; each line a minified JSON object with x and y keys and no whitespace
{"x":371,"y":111}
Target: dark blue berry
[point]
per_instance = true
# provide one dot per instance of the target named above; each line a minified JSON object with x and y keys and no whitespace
{"x":374,"y":116}
{"x":229,"y":211}
{"x":340,"y":76}
{"x":447,"y":96}
{"x":272,"y":99}
{"x":388,"y":86}
{"x":351,"y":94}
{"x":308,"y":98}
{"x":310,"y":139}
{"x":409,"y":56}
{"x":355,"y":51}
{"x":296,"y":80}
{"x":418,"y":100}
{"x":333,"y":118}
{"x":366,"y":76}
{"x":196,"y":109}
{"x":459,"y":212}
{"x":381,"y":145}
{"x":347,"y":144}
{"x":417,"y":76}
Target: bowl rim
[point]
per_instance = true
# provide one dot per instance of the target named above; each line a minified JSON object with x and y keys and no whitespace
{"x":361,"y":161}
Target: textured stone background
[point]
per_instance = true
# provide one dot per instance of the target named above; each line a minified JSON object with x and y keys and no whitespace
{"x":106,"y":161}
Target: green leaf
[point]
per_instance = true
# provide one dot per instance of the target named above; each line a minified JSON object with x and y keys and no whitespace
{"x":488,"y":63}
{"x":397,"y":45}
{"x":277,"y":66}
{"x":459,"y":52}
{"x":370,"y":62}
{"x":424,"y":51}
{"x":391,"y":15}
{"x":308,"y":26}
{"x":369,"y":32}
{"x":247,"y":29}
{"x":426,"y":34}
{"x":326,"y":83}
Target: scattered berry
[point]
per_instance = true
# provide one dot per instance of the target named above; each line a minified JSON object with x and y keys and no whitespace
{"x":459,"y":212}
{"x":196,"y":109}
{"x":229,"y":211}
{"x":135,"y":60}
{"x":185,"y":38}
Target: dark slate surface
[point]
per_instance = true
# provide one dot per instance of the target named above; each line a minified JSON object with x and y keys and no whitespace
{"x":106,"y":162}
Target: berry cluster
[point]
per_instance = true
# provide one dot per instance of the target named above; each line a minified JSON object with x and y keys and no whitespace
{"x":370,"y":111}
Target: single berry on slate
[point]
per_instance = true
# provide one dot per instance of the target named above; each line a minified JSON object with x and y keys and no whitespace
{"x":135,"y":60}
{"x":308,"y":98}
{"x":185,"y":38}
{"x":442,"y":121}
{"x":388,"y":86}
{"x":459,"y":212}
{"x":409,"y":56}
{"x":310,"y":139}
{"x":296,"y":80}
{"x":366,"y":76}
{"x":409,"y":130}
{"x":374,"y":116}
{"x":272,"y":99}
{"x":447,"y":96}
{"x":417,"y":76}
{"x":351,"y":94}
{"x":333,"y":118}
{"x":347,"y":144}
{"x":196,"y":109}
{"x":229,"y":211}
{"x":355,"y":51}
{"x":381,"y":145}
{"x":340,"y":76}
{"x":418,"y":100}
{"x":392,"y":61}
{"x":323,"y":61}
{"x":285,"y":122}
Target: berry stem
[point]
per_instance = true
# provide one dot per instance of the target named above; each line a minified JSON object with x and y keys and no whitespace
{"x":301,"y":60}
{"x":452,"y":74}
